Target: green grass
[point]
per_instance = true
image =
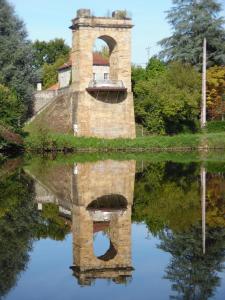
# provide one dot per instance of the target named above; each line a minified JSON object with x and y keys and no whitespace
{"x":40,"y":139}
{"x":45,"y":140}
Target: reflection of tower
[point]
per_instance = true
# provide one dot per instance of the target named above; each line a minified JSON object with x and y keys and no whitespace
{"x":103,"y":199}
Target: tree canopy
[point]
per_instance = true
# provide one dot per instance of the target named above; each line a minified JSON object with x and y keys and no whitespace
{"x":49,"y":52}
{"x":216,"y":92}
{"x":167,"y":97}
{"x":17,"y":71}
{"x":191,"y":22}
{"x":49,"y":56}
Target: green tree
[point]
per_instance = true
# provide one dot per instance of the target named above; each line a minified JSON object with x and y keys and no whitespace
{"x":168,"y":100}
{"x":154,"y":68}
{"x":191,"y":21}
{"x":50,"y":72}
{"x":16,"y":57}
{"x":10,"y":109}
{"x":49,"y":52}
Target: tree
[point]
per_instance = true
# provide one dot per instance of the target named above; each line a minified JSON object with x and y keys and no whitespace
{"x":10,"y":109}
{"x":49,"y":52}
{"x":49,"y":56}
{"x":50,"y":72}
{"x":168,"y":100}
{"x":216,"y":92}
{"x":16,"y":57}
{"x":192,"y":21}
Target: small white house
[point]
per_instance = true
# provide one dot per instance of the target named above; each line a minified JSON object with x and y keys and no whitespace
{"x":43,"y":97}
{"x":100,"y":70}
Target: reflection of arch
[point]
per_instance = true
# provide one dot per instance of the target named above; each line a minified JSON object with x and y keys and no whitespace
{"x":110,"y":253}
{"x":108,"y":202}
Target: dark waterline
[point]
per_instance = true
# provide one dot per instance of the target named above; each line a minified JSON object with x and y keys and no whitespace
{"x":112,"y":230}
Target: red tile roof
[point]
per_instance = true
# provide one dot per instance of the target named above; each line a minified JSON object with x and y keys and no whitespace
{"x":54,"y":87}
{"x":98,"y":60}
{"x":66,"y":65}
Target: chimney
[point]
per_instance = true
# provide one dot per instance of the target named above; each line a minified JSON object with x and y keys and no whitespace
{"x":39,"y":86}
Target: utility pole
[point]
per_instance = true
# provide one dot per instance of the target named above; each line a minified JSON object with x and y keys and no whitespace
{"x":148,"y":49}
{"x":203,"y":106}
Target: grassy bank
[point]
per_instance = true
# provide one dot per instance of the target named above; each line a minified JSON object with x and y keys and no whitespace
{"x":44,"y":141}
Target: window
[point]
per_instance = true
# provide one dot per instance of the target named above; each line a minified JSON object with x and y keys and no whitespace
{"x":106,"y":76}
{"x":94,"y":76}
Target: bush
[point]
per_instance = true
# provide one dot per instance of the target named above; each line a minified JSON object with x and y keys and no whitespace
{"x":216,"y":126}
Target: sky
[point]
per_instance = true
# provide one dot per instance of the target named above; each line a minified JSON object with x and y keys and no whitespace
{"x":49,"y":19}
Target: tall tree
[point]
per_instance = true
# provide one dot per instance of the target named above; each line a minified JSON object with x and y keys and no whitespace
{"x":191,"y":21}
{"x":16,"y":56}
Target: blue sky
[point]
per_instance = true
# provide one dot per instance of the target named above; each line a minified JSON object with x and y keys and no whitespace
{"x":48,"y":19}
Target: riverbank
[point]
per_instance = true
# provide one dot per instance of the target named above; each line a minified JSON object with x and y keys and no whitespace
{"x":51,"y":142}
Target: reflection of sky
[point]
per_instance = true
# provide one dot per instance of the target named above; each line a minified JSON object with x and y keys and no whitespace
{"x":101,"y":243}
{"x":48,"y":275}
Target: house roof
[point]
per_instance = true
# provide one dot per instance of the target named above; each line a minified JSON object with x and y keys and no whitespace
{"x":98,"y":60}
{"x":54,"y":87}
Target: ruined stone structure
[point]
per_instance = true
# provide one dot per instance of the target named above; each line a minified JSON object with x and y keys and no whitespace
{"x":99,"y":197}
{"x":99,"y":108}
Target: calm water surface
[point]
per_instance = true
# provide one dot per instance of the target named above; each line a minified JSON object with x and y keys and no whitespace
{"x":112,"y":230}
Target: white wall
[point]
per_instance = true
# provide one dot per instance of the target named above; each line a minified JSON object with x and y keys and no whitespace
{"x":99,"y":72}
{"x":64,"y":78}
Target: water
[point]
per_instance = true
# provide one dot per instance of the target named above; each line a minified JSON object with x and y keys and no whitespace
{"x":112,"y":229}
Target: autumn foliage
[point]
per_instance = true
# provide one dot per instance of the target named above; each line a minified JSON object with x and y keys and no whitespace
{"x":216,"y":92}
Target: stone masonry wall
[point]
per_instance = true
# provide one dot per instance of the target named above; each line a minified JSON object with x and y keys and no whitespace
{"x":106,"y":120}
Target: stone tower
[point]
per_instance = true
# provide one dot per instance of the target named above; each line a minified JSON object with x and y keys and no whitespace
{"x":102,"y":109}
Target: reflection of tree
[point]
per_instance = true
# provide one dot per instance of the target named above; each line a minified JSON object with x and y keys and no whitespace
{"x":20,"y":224}
{"x":17,"y":217}
{"x":193,"y":274}
{"x":215,"y":200}
{"x":51,"y":224}
{"x":168,"y":200}
{"x":167,"y":194}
